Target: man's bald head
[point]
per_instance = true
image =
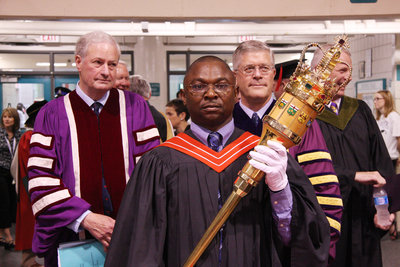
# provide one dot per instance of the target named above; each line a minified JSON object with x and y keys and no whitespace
{"x":210,"y":93}
{"x":206,"y":59}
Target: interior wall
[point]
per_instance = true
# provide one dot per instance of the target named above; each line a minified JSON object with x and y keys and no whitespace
{"x":379,"y":52}
{"x":150,"y":62}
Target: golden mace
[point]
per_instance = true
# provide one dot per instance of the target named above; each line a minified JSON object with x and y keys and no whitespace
{"x":305,"y":96}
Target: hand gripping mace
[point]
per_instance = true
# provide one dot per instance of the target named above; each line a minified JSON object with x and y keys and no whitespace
{"x":305,"y":96}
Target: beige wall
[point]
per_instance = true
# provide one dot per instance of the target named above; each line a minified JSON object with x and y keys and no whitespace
{"x":189,"y":9}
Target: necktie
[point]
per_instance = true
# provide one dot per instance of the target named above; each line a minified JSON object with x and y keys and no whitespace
{"x":334,"y":108}
{"x":96,"y":108}
{"x":107,"y":204}
{"x":214,"y":141}
{"x":255,"y":119}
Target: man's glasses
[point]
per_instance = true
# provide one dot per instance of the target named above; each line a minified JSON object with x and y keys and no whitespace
{"x":251,"y":69}
{"x":202,"y":88}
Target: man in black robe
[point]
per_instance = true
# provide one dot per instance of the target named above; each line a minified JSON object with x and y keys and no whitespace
{"x":255,"y":82}
{"x":177,"y":189}
{"x":253,"y":67}
{"x":361,"y":161}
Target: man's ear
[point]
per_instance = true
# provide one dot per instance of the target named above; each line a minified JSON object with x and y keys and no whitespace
{"x":78,"y":62}
{"x":183,"y":96}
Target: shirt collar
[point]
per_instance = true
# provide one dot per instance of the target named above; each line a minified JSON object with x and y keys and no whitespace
{"x":260,"y":112}
{"x":88,"y":100}
{"x":202,"y":133}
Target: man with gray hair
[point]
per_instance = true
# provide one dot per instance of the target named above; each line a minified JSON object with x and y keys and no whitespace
{"x":253,"y":63}
{"x":361,"y":162}
{"x":142,"y":87}
{"x":83,"y":150}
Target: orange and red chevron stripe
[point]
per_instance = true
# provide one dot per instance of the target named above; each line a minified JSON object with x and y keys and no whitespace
{"x":218,"y":161}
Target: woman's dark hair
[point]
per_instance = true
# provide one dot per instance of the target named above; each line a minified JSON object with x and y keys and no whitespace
{"x":179,"y":107}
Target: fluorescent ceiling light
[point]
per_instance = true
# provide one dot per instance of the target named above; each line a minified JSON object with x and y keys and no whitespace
{"x":42,"y":64}
{"x":20,"y":70}
{"x":46,"y":64}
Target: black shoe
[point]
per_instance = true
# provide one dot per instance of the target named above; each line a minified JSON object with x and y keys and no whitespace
{"x":9,"y":245}
{"x":3,"y":242}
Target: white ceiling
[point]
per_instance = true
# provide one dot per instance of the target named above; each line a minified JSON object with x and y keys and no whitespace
{"x":278,"y":33}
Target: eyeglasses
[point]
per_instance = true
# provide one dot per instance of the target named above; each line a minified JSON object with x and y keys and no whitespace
{"x":202,"y":88}
{"x":377,"y":98}
{"x":251,"y":69}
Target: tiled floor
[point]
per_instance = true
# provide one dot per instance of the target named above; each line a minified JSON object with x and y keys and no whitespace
{"x":390,"y":250}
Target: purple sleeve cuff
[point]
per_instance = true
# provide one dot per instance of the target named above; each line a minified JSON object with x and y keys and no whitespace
{"x":282,"y":203}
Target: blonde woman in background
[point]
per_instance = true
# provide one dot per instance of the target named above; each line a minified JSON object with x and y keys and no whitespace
{"x":389,"y":123}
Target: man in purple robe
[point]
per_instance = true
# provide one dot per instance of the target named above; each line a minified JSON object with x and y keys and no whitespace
{"x":83,"y":150}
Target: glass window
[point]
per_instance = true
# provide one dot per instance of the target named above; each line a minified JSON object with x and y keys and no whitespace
{"x":25,"y":93}
{"x":64,"y":62}
{"x":24,"y":62}
{"x":177,"y":62}
{"x":127,"y":58}
{"x":225,"y":57}
{"x":175,"y":84}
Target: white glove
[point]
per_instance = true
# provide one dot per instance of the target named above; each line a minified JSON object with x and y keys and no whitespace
{"x":272,"y":160}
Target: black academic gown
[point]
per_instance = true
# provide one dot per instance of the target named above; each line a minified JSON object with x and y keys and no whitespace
{"x":160,"y":122}
{"x":355,"y":143}
{"x":171,"y":200}
{"x":244,"y":122}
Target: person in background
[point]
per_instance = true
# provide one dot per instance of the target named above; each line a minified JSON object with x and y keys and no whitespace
{"x":142,"y":87}
{"x":179,"y":94}
{"x":61,"y":91}
{"x":361,"y":162}
{"x":389,"y":123}
{"x":253,"y":62}
{"x":283,"y":72}
{"x":122,"y":81}
{"x":22,"y":115}
{"x":177,"y":189}
{"x":25,"y":220}
{"x":83,"y":149}
{"x":9,"y":137}
{"x":177,"y":112}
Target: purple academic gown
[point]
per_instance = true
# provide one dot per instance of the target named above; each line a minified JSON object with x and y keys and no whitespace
{"x":71,"y":151}
{"x":313,"y":156}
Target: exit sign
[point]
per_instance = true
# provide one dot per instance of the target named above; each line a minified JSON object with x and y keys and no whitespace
{"x":49,"y":38}
{"x":244,"y":38}
{"x":363,"y":1}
